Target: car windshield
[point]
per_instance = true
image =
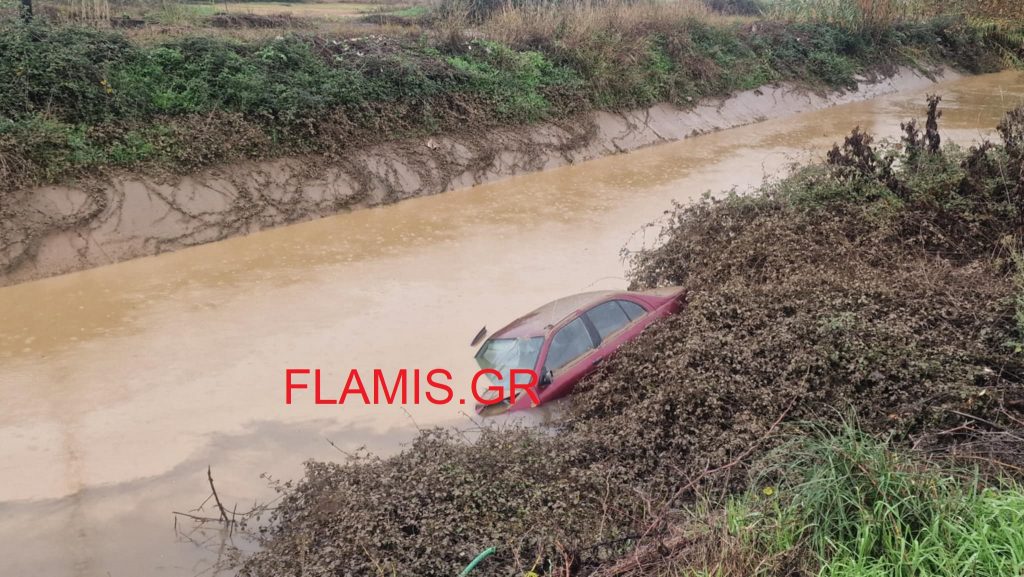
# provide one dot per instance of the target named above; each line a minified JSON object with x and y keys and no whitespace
{"x":503,"y":355}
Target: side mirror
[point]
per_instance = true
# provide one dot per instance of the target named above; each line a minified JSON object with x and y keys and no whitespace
{"x":546,"y":378}
{"x":479,"y":337}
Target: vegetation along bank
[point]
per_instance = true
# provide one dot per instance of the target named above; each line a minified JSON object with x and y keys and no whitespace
{"x":169,"y":136}
{"x":843,"y":396}
{"x":78,"y":101}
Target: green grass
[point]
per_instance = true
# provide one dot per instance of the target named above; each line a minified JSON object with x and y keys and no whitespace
{"x":409,"y":12}
{"x":857,"y":508}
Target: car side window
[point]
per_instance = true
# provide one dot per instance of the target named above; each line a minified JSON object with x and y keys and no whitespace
{"x":569,"y":343}
{"x":632,"y":309}
{"x":608,"y":318}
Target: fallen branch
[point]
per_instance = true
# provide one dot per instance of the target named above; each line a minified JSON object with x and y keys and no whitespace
{"x":196,"y":517}
{"x":223,"y":512}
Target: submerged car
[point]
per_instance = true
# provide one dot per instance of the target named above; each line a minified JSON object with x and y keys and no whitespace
{"x":566,"y":339}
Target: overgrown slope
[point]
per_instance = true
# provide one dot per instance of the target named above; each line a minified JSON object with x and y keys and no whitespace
{"x":880,"y":280}
{"x":883,"y":283}
{"x":78,"y":102}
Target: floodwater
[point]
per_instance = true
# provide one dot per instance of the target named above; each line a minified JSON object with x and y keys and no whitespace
{"x":121,"y":384}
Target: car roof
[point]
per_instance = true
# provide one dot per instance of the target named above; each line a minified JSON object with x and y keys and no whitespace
{"x":538,"y":322}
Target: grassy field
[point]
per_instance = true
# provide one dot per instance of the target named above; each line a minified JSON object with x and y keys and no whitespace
{"x":162,"y":19}
{"x":329,"y":10}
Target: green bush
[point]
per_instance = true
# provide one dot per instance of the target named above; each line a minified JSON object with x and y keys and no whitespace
{"x":62,"y":72}
{"x":516,"y":83}
{"x":55,"y":148}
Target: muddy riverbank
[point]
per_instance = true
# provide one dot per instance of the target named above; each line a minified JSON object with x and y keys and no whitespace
{"x":58,"y":229}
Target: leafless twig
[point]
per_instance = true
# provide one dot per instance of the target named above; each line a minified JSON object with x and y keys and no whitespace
{"x":223,"y":512}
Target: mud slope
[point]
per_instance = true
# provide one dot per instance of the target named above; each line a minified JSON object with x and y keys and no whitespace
{"x":56,"y":229}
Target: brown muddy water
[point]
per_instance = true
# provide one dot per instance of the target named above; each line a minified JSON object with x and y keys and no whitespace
{"x":121,"y":384}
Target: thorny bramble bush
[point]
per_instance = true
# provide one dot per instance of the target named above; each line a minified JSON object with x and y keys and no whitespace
{"x":433,"y":508}
{"x":873,"y":283}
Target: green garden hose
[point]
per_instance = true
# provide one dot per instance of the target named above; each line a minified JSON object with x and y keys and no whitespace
{"x":472,"y":564}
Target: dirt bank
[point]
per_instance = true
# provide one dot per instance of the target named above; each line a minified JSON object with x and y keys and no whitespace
{"x":57,"y":229}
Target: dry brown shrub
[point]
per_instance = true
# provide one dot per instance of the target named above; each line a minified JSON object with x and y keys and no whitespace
{"x":245,"y":20}
{"x":848,"y":287}
{"x":1011,"y":10}
{"x":433,"y":508}
{"x":197,"y":140}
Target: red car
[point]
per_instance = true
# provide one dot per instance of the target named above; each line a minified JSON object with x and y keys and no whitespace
{"x":566,"y":339}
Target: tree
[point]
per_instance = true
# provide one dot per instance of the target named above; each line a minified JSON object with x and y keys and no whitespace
{"x":26,"y":10}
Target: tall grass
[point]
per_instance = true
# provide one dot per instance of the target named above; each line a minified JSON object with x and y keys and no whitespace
{"x":576,"y":21}
{"x":860,"y":509}
{"x":95,"y":11}
{"x":853,"y":13}
{"x":1012,"y":10}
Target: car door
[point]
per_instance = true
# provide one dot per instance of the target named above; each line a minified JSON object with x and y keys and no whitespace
{"x":569,"y":356}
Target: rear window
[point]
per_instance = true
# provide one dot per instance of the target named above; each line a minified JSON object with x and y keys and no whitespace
{"x":632,"y":309}
{"x":608,"y":318}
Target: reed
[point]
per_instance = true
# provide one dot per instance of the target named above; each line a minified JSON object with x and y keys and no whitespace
{"x":855,"y":14}
{"x":91,"y":11}
{"x":577,"y":21}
